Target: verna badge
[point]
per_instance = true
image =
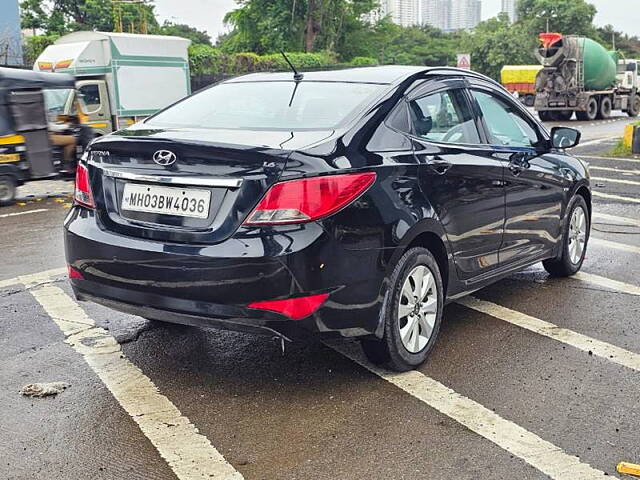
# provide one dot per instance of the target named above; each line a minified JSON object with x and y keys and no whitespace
{"x":164,"y":157}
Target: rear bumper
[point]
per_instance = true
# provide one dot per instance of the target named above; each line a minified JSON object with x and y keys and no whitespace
{"x":211,"y":285}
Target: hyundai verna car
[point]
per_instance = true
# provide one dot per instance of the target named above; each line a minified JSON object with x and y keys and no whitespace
{"x":354,"y":203}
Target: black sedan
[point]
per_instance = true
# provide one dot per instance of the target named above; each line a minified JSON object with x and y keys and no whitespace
{"x":353,"y":202}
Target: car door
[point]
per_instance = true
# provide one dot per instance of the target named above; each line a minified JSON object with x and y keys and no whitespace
{"x":534,"y":182}
{"x":460,"y":179}
{"x":96,"y":100}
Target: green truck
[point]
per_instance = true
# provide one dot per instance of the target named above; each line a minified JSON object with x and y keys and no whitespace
{"x":579,"y":75}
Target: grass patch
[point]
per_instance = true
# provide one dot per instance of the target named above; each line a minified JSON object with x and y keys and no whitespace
{"x":619,"y":150}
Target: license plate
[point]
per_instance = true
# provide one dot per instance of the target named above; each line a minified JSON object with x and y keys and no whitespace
{"x":183,"y":202}
{"x":9,"y":157}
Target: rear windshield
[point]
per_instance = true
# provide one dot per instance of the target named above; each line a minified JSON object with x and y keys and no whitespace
{"x":268,"y":106}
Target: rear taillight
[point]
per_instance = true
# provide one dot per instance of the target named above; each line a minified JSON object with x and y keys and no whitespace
{"x":294,"y":308}
{"x":82,"y":193}
{"x":308,"y":199}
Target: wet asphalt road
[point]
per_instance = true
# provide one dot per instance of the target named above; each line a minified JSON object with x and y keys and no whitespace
{"x":313,"y":413}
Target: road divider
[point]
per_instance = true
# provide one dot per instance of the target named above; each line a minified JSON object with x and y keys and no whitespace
{"x":188,"y":453}
{"x":540,"y":454}
{"x":577,"y":340}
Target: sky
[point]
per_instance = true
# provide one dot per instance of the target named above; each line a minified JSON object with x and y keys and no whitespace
{"x":208,"y":14}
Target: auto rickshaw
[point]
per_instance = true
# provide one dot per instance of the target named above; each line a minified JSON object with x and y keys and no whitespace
{"x":36,"y":140}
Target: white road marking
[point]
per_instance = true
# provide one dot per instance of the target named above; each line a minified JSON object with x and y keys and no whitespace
{"x":599,"y":140}
{"x":615,"y":170}
{"x":615,"y":180}
{"x":607,"y":283}
{"x":187,"y":452}
{"x":539,"y":453}
{"x":33,"y":278}
{"x":617,"y":219}
{"x":615,"y":197}
{"x":38,"y":210}
{"x":616,"y":159}
{"x":569,"y":337}
{"x":618,"y":246}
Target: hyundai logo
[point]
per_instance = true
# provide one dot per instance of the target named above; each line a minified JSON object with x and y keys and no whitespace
{"x":164,"y":157}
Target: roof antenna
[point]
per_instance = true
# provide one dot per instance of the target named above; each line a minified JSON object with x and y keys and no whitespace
{"x":296,"y":75}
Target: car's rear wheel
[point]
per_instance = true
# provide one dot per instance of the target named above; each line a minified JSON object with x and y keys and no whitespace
{"x":574,"y":240}
{"x":413,"y":312}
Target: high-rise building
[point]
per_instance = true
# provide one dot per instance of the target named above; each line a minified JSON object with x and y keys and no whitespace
{"x":509,"y":7}
{"x":435,"y":13}
{"x":465,"y":14}
{"x":10,"y":34}
{"x":402,"y":12}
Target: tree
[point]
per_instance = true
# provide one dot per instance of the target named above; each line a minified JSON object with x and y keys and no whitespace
{"x":264,"y":26}
{"x":496,"y":42}
{"x":63,"y":16}
{"x":196,"y":36}
{"x":569,"y":17}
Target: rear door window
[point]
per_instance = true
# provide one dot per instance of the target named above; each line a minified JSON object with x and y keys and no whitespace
{"x":444,"y":117}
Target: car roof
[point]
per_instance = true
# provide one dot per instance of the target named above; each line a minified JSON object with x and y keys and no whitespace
{"x":384,"y":75}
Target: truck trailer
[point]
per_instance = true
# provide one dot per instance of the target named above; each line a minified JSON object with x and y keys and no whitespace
{"x":521,"y":80}
{"x":122,"y":77}
{"x":579,"y":75}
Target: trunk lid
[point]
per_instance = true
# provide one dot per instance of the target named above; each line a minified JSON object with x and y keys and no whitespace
{"x":231,"y":168}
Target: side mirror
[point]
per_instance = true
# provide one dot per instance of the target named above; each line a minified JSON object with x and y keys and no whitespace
{"x":565,"y":137}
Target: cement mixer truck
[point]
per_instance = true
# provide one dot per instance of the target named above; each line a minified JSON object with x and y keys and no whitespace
{"x":579,"y":75}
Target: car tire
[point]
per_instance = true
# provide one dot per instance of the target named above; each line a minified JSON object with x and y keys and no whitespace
{"x":7,"y":190}
{"x":570,"y":261}
{"x":391,"y":350}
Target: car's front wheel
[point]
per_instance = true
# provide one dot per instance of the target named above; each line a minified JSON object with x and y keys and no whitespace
{"x":574,"y":240}
{"x":412,"y":313}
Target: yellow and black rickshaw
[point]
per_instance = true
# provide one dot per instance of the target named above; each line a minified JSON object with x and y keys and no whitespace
{"x":36,"y":140}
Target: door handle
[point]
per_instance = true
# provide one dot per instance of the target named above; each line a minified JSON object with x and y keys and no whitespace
{"x":440,"y":165}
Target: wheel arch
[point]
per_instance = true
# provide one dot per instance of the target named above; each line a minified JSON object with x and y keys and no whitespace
{"x":428,"y":234}
{"x":584,"y":192}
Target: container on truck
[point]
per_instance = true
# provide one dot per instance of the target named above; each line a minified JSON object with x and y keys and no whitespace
{"x":579,"y":75}
{"x":521,"y":80}
{"x":122,"y":77}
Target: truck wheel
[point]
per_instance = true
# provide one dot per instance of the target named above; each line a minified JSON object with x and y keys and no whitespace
{"x":563,"y":115}
{"x":592,"y":111}
{"x":605,"y":108}
{"x":545,"y":115}
{"x":634,"y":108}
{"x":7,"y":190}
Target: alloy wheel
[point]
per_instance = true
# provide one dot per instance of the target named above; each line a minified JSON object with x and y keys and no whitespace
{"x":417,"y":309}
{"x":577,"y":235}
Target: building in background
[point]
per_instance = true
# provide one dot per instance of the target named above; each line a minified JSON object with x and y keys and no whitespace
{"x":402,"y":12}
{"x":447,"y":15}
{"x":509,"y":7}
{"x":435,"y":13}
{"x":10,"y":33}
{"x":465,"y":14}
